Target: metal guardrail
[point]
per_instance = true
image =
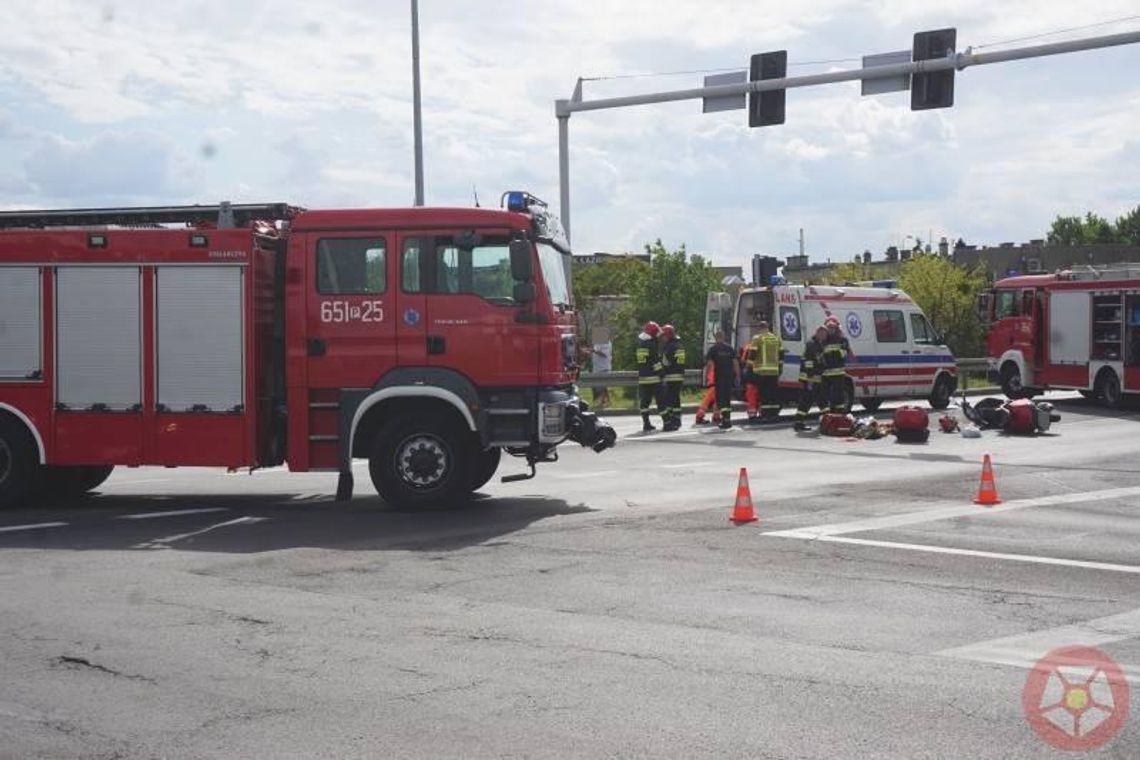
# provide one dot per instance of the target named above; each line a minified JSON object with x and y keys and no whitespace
{"x":695,"y":377}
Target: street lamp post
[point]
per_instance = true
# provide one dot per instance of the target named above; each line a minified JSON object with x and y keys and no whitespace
{"x":416,"y":118}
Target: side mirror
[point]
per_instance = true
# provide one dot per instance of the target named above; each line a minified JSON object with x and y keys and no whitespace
{"x":522,"y":269}
{"x":524,"y":292}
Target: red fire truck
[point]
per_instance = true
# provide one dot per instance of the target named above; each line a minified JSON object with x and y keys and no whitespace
{"x":1076,"y":330}
{"x":424,"y":340}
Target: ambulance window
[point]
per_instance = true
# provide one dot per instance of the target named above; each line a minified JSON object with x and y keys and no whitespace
{"x":890,"y":327}
{"x":349,"y":266}
{"x":923,"y":333}
{"x":790,"y":323}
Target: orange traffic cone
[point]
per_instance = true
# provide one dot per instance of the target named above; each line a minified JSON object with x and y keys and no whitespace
{"x":742,"y":511}
{"x":987,"y":490}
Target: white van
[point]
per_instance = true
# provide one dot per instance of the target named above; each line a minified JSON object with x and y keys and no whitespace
{"x":898,"y":353}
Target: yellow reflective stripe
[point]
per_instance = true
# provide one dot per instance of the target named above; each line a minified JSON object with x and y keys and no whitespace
{"x":679,"y":356}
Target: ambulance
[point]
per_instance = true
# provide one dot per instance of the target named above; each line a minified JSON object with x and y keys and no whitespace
{"x":898,"y":353}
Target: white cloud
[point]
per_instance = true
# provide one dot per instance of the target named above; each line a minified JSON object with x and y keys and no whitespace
{"x":282,"y":99}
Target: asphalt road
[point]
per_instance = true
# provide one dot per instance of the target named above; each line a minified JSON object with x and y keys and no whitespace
{"x":606,"y":608}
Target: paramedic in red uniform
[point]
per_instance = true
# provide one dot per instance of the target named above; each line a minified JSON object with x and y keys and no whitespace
{"x":836,"y":353}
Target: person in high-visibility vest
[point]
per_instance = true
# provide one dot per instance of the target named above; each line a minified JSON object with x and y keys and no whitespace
{"x":811,"y":365}
{"x":673,"y":359}
{"x":767,"y":361}
{"x":649,"y":369}
{"x":836,"y":353}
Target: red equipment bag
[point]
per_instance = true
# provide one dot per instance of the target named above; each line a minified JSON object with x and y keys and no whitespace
{"x":911,"y":424}
{"x":836,"y":424}
{"x":1022,"y":417}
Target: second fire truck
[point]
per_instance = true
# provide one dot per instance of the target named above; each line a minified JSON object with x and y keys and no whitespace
{"x":1073,"y":330}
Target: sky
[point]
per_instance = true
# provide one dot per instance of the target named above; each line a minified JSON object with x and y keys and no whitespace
{"x":134,"y":103}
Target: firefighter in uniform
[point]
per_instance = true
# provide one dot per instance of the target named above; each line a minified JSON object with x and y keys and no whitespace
{"x":836,"y":352}
{"x":811,"y":364}
{"x":721,"y":362}
{"x":649,"y":369}
{"x":673,"y":359}
{"x":767,"y":360}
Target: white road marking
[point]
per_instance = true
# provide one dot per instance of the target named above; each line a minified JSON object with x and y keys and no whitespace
{"x":33,"y":526}
{"x":947,"y":512}
{"x":1023,"y":650}
{"x":172,"y":513}
{"x":582,"y":475}
{"x":141,"y":481}
{"x":1035,"y":559}
{"x":181,"y":536}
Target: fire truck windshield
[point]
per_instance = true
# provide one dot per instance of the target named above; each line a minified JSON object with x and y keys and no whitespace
{"x":554,"y":272}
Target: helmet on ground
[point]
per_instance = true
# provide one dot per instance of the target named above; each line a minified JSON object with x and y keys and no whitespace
{"x":651,"y":329}
{"x":669,"y":331}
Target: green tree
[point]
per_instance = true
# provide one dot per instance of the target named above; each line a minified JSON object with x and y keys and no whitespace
{"x":674,"y":289}
{"x":1074,"y":230}
{"x":1127,"y":227}
{"x":947,"y":293}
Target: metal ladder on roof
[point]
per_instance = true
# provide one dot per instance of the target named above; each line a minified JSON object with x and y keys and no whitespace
{"x":224,"y":215}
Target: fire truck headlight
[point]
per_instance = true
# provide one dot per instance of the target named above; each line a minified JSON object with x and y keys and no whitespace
{"x":553,"y":420}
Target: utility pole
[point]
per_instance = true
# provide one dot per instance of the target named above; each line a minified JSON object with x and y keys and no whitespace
{"x":417,"y":120}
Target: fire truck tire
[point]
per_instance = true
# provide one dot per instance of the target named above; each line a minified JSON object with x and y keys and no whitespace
{"x":19,"y":463}
{"x":421,"y":461}
{"x":940,"y":396}
{"x":1011,"y":384}
{"x":74,"y":482}
{"x":486,"y":463}
{"x":1108,"y":389}
{"x":871,"y":404}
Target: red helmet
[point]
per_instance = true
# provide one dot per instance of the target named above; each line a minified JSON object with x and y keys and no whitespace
{"x":669,"y":331}
{"x":651,"y":329}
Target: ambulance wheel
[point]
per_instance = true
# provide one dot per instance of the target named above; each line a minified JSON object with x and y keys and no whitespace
{"x":940,"y":396}
{"x":871,"y":404}
{"x":19,"y":463}
{"x":486,"y":463}
{"x":1108,"y":389}
{"x":419,"y":461}
{"x":74,"y":482}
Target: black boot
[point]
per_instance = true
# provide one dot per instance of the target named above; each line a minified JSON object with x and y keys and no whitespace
{"x":646,"y":427}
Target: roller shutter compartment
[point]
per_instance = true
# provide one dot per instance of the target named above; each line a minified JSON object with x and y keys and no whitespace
{"x":20,"y":323}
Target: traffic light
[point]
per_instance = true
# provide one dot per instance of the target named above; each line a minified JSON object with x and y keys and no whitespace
{"x":934,"y":89}
{"x":767,"y":108}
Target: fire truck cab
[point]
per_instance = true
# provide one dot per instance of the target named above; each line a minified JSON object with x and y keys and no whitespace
{"x":424,"y":340}
{"x":1072,"y":330}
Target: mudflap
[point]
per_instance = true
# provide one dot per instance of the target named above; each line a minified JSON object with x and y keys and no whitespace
{"x":344,"y":483}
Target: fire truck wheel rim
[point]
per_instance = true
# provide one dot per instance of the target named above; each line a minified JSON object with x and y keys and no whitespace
{"x":5,"y":461}
{"x":422,"y":461}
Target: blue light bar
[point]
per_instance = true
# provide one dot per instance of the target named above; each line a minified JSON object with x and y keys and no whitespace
{"x":516,"y":200}
{"x":777,"y":280}
{"x":520,"y":200}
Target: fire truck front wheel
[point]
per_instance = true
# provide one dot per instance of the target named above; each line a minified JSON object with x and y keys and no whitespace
{"x":422,"y":461}
{"x":19,"y":463}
